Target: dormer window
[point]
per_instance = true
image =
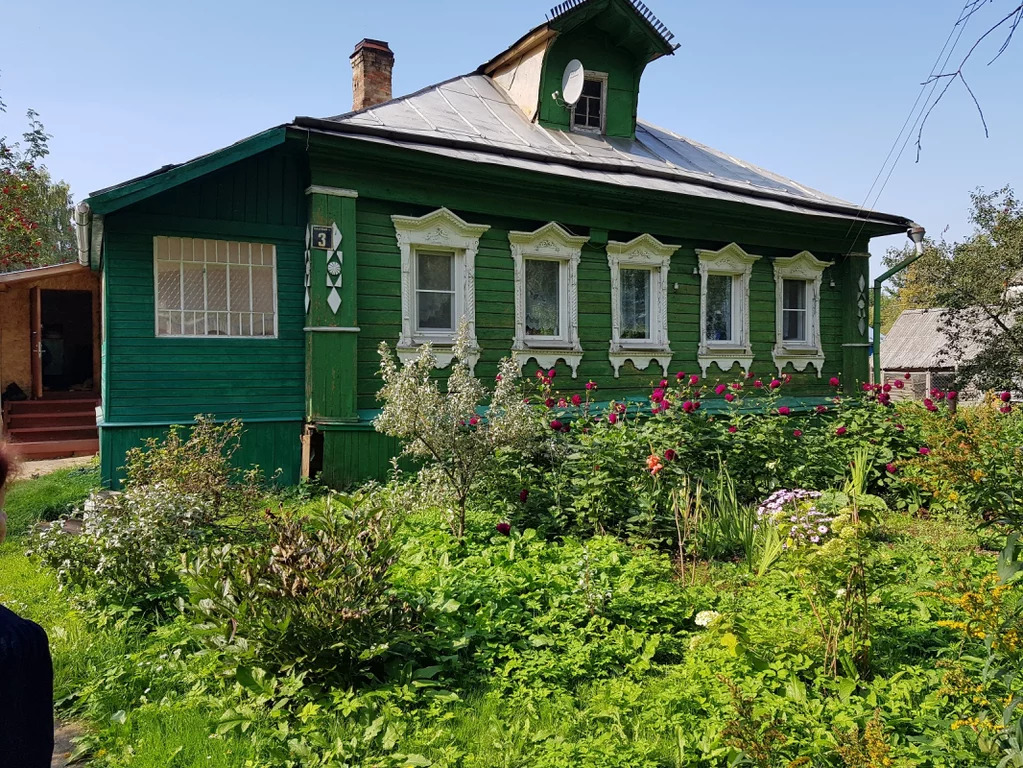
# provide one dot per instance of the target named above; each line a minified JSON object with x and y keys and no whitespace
{"x":588,"y":113}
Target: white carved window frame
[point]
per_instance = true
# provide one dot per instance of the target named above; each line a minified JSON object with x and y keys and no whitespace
{"x":440,"y":230}
{"x":733,"y":262}
{"x":643,"y":252}
{"x":801,"y":354}
{"x":550,"y":242}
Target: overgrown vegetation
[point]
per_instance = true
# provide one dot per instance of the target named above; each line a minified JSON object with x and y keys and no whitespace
{"x":680,"y":582}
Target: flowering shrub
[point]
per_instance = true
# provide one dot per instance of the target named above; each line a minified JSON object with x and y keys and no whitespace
{"x":796,"y":514}
{"x":447,"y":429}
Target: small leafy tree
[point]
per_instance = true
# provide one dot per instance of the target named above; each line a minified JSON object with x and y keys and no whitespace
{"x":453,"y":431}
{"x":35,"y":211}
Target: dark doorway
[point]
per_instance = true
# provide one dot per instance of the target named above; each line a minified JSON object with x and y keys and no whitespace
{"x":66,"y":340}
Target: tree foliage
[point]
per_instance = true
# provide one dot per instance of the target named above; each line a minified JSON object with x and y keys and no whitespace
{"x":979,"y":285}
{"x":35,"y":211}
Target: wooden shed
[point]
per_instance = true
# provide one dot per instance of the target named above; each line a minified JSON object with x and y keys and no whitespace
{"x":50,"y":329}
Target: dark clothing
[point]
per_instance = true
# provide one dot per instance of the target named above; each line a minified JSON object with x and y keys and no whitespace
{"x":26,"y":694}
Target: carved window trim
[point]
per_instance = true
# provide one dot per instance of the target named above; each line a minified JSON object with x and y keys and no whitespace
{"x":644,"y":251}
{"x":802,"y":266}
{"x":736,"y":263}
{"x":440,"y":230}
{"x":551,"y":242}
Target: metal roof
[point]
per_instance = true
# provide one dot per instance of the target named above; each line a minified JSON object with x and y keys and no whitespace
{"x":472,"y":118}
{"x":917,"y":341}
{"x":41,"y":273}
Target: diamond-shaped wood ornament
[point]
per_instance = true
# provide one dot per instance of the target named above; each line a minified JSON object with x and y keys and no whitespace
{"x":334,"y":300}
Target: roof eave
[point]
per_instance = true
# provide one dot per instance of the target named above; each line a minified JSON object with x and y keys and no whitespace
{"x":878,"y":223}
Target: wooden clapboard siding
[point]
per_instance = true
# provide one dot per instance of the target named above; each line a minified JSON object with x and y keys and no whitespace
{"x":152,"y":380}
{"x":273,"y":446}
{"x":380,"y":303}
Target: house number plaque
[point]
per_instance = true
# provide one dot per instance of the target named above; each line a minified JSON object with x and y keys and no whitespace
{"x":323,"y":238}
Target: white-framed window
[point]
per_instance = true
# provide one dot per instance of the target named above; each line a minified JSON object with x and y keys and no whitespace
{"x":546,"y":295}
{"x":438,"y":257}
{"x":724,"y":308}
{"x":639,"y":302}
{"x":220,"y":288}
{"x":590,"y":112}
{"x":797,"y":281}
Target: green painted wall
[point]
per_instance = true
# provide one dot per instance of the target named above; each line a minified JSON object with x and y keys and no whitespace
{"x":150,"y":381}
{"x":599,"y":52}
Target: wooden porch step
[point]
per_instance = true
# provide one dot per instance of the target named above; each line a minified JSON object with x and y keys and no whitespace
{"x":65,"y":432}
{"x":58,"y":419}
{"x":56,"y":405}
{"x":55,"y":449}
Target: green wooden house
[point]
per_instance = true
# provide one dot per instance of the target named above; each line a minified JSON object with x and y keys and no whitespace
{"x":526,"y":197}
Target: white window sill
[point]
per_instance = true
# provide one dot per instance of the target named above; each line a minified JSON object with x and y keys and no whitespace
{"x":725,"y":359}
{"x":548,"y":354}
{"x":799,"y":358}
{"x":443,"y":351}
{"x":640,"y":355}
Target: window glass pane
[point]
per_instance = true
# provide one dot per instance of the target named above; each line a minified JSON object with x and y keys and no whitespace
{"x":169,"y":284}
{"x":588,"y":109}
{"x":719,"y":307}
{"x":543,"y":298}
{"x":794,"y":325}
{"x":635,"y":303}
{"x":435,"y":271}
{"x":262,"y":289}
{"x":216,"y":287}
{"x":192,"y":290}
{"x":436,"y":311}
{"x":794,"y":294}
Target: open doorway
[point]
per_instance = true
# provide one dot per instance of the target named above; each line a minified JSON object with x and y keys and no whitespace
{"x":66,"y":341}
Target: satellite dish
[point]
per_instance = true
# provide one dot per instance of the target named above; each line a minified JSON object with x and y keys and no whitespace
{"x":572,"y":82}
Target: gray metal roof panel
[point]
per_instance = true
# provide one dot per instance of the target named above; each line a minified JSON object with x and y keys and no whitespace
{"x":474,"y":112}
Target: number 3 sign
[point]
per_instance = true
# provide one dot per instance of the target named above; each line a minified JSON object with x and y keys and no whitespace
{"x":323,"y":237}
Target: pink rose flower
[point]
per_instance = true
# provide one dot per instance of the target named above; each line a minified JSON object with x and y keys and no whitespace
{"x":664,"y":382}
{"x":952,"y":394}
{"x":758,"y":384}
{"x":733,"y":429}
{"x":551,"y":373}
{"x":556,"y":425}
{"x":797,"y":433}
{"x":590,"y":385}
{"x":821,"y":409}
{"x":729,"y":397}
{"x":687,"y":406}
{"x":775,"y":384}
{"x":840,"y":431}
{"x":784,"y":410}
{"x":680,"y":375}
{"x":925,"y":451}
{"x":898,"y":384}
{"x":549,"y":402}
{"x":694,"y":380}
{"x":576,"y":399}
{"x":892,"y":469}
{"x":562,"y":402}
{"x":612,"y":418}
{"x":835,"y":382}
{"x":474,"y":420}
{"x":719,"y":389}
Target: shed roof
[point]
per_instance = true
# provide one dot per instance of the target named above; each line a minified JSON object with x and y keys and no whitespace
{"x":916,"y":341}
{"x":41,"y":273}
{"x":473,"y":118}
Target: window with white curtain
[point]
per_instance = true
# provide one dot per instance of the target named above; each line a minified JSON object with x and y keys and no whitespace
{"x":215,"y":288}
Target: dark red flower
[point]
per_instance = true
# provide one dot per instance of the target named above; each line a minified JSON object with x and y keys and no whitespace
{"x":898,"y":384}
{"x":733,"y":429}
{"x":669,"y":455}
{"x":523,"y":495}
{"x":952,"y":394}
{"x":1005,"y":396}
{"x":797,"y":433}
{"x":720,"y":388}
{"x":549,"y":402}
{"x":612,"y":418}
{"x":504,"y":528}
{"x":694,"y":380}
{"x":924,"y":450}
{"x":892,"y":469}
{"x":576,"y":399}
{"x":688,"y":406}
{"x":664,"y":382}
{"x":840,"y":431}
{"x":474,"y":420}
{"x":729,"y":397}
{"x":835,"y":382}
{"x":590,"y":385}
{"x":821,"y":409}
{"x":551,"y":373}
{"x":784,"y":410}
{"x":758,"y":384}
{"x":909,"y":376}
{"x":680,"y":375}
{"x":556,"y":425}
{"x":775,"y":384}
{"x":1006,"y":409}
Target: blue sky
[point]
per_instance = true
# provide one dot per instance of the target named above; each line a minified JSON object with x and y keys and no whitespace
{"x":816,"y":91}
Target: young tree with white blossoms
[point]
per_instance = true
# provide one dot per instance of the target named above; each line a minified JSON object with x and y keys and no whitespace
{"x":457,"y":431}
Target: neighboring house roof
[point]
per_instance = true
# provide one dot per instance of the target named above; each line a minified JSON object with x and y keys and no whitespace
{"x":472,"y":118}
{"x":917,"y":341}
{"x":41,"y":273}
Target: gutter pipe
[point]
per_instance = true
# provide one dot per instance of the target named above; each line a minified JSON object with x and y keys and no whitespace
{"x":83,"y":231}
{"x":916,"y":234}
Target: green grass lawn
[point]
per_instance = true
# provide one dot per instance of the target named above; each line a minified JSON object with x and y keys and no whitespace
{"x":552,"y":684}
{"x":46,"y":497}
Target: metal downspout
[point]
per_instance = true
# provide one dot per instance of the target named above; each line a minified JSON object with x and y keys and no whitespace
{"x":83,"y":225}
{"x":916,"y":234}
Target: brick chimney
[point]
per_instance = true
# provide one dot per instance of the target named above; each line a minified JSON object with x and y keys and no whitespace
{"x":372,"y":62}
